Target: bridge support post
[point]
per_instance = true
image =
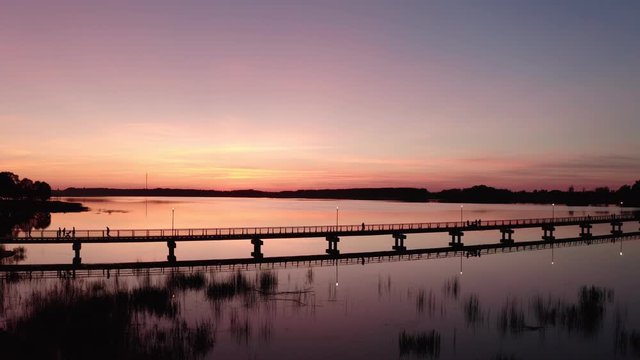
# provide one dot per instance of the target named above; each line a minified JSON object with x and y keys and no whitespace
{"x":332,"y":246}
{"x":585,"y":230}
{"x":506,"y":235}
{"x":456,"y":238}
{"x":257,"y":243}
{"x":548,"y":232}
{"x":77,"y":260}
{"x":171,"y":244}
{"x":616,"y":228}
{"x":399,"y":242}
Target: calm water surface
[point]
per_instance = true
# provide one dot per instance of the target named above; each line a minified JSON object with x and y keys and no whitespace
{"x":578,"y":302}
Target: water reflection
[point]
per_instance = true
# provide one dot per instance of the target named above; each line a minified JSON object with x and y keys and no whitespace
{"x":75,"y":320}
{"x":139,"y":318}
{"x":584,"y":316}
{"x":451,"y":288}
{"x":255,"y":313}
{"x":473,"y":314}
{"x":14,"y":221}
{"x":422,"y":344}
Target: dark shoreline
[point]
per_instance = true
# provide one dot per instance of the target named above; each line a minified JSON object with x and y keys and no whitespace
{"x":42,"y":206}
{"x":626,"y":196}
{"x":390,"y":194}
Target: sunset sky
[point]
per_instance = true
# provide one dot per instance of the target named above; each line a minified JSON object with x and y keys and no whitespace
{"x":321,"y":94}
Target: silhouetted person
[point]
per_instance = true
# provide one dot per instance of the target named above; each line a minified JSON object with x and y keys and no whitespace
{"x":58,"y":233}
{"x":64,"y":231}
{"x":363,"y":226}
{"x":108,"y":231}
{"x":73,"y":232}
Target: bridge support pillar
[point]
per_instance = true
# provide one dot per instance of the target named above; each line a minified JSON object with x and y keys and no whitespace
{"x":257,"y":243}
{"x":506,"y":235}
{"x":171,"y":244}
{"x":399,"y":240}
{"x":585,"y":230}
{"x":456,"y":238}
{"x":332,"y":246}
{"x":77,"y":260}
{"x":548,"y":232}
{"x":616,"y":228}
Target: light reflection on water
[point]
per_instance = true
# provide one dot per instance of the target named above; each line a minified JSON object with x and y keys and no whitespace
{"x":508,"y":306}
{"x":513,"y":305}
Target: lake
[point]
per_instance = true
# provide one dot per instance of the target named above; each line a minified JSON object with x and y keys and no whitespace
{"x":566,"y":302}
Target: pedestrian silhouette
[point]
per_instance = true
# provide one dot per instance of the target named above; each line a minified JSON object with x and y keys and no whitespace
{"x":108,"y":231}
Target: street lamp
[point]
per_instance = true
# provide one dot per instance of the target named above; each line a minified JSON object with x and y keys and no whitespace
{"x":553,"y":212}
{"x":337,"y":217}
{"x":461,"y":213}
{"x":172,"y":220}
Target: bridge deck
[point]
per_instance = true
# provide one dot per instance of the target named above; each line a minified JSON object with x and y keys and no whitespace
{"x":246,"y":233}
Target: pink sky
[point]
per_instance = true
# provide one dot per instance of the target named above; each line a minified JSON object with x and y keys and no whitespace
{"x":229,"y":95}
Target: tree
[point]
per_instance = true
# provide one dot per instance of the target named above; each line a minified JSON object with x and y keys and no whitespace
{"x":11,"y":187}
{"x":8,"y":185}
{"x":26,"y":189}
{"x":42,"y":190}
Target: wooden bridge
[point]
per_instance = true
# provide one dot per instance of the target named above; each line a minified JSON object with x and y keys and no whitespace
{"x":332,"y":234}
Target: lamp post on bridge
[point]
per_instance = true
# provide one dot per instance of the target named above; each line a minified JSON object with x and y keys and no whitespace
{"x":337,"y":210}
{"x":553,"y":212}
{"x":461,"y":206}
{"x":172,"y":221}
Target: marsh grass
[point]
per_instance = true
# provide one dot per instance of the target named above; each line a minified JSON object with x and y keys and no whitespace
{"x":188,"y":281}
{"x":423,"y":344}
{"x":73,"y":320}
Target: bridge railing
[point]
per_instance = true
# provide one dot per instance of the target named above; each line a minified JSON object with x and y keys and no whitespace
{"x":311,"y":230}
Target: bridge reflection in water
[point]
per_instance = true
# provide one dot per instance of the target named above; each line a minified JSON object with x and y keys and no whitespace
{"x":30,"y":271}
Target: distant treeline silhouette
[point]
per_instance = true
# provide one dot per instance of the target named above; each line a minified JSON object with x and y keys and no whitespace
{"x":396,"y":194}
{"x":11,"y":187}
{"x":627,"y":195}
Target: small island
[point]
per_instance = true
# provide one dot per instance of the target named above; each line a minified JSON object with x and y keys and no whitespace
{"x":23,"y":195}
{"x":26,"y":205}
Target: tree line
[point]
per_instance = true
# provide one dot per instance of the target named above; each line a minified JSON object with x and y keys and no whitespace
{"x":627,"y":195}
{"x":14,"y":188}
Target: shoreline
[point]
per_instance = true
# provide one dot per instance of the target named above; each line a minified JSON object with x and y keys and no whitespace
{"x":476,"y":195}
{"x":50,"y":206}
